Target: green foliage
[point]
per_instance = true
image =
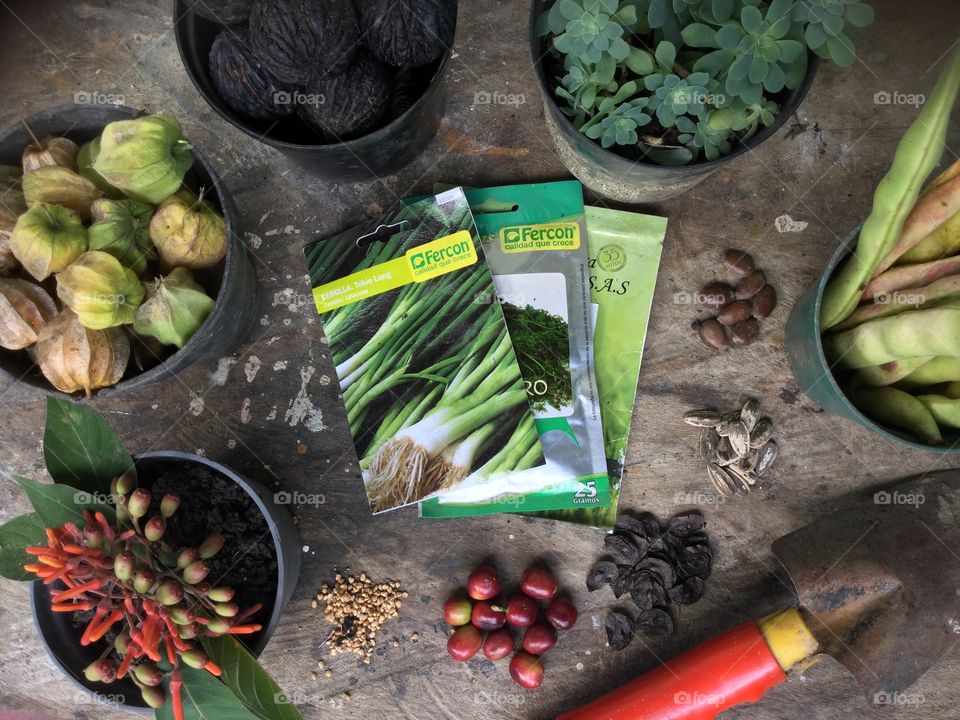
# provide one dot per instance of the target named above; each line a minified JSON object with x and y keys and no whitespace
{"x":15,"y":535}
{"x":252,"y":685}
{"x":700,"y":75}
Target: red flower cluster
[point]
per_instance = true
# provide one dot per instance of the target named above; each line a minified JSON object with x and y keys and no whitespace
{"x":154,"y":597}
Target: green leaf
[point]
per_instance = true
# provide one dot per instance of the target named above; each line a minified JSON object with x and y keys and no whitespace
{"x":80,"y":449}
{"x":659,"y":13}
{"x":15,"y":535}
{"x":666,"y":54}
{"x":859,"y":15}
{"x":639,"y":61}
{"x":248,"y":681}
{"x":699,"y":35}
{"x":58,"y":504}
{"x":204,"y":698}
{"x":815,"y":35}
{"x":841,"y":50}
{"x":751,"y":19}
{"x":729,"y":36}
{"x":722,"y":10}
{"x":569,"y":10}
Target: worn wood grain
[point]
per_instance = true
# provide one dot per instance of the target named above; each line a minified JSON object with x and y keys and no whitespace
{"x":243,"y":409}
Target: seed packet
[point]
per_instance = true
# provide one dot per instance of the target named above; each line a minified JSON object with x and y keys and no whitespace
{"x":534,"y":241}
{"x":430,"y":381}
{"x":624,"y":258}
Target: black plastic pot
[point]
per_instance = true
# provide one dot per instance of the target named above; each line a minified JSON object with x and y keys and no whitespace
{"x":618,"y":178}
{"x":61,"y":637}
{"x":226,"y":326}
{"x":381,"y":152}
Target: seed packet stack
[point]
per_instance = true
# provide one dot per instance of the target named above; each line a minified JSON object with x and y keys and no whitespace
{"x":488,"y":348}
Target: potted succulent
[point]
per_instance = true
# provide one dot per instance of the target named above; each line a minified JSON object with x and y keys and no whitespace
{"x":120,"y":256}
{"x":157,"y":578}
{"x":874,"y":338}
{"x":349,"y":90}
{"x":645,"y":98}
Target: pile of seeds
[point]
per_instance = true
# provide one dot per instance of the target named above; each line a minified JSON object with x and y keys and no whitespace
{"x":358,"y":608}
{"x":738,"y":446}
{"x":739,"y":309}
{"x":658,"y":566}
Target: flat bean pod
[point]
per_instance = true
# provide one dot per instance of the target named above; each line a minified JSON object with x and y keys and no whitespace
{"x":900,"y":410}
{"x":917,"y":333}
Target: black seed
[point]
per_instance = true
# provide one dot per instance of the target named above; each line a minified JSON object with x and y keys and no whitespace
{"x":663,"y":570}
{"x":619,"y":630}
{"x":601,"y":574}
{"x":687,"y":592}
{"x":622,"y":548}
{"x":685,"y":525}
{"x":655,"y":622}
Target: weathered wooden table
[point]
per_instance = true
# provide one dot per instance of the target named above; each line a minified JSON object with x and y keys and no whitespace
{"x":270,"y":410}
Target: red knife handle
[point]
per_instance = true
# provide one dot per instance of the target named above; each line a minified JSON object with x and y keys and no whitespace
{"x":735,"y":667}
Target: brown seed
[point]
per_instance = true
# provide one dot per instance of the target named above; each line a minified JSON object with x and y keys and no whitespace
{"x":745,"y":332}
{"x":734,"y":312}
{"x":738,"y":262}
{"x":764,"y":302}
{"x":750,"y":285}
{"x":715,"y":295}
{"x":712,"y":334}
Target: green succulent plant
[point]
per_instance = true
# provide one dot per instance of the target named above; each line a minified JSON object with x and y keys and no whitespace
{"x":700,"y":75}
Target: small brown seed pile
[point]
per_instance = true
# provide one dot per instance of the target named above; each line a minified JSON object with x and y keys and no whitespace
{"x":739,"y":309}
{"x":358,"y":608}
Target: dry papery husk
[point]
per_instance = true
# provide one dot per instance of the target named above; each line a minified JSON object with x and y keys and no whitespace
{"x":50,"y":151}
{"x":58,"y":185}
{"x":12,"y":205}
{"x":75,"y":358}
{"x":25,"y":308}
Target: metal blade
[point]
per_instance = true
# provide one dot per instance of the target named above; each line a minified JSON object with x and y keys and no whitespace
{"x":879,"y":583}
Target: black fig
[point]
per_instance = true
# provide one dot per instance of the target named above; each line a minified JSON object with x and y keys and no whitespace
{"x":412,"y":32}
{"x":243,"y":82}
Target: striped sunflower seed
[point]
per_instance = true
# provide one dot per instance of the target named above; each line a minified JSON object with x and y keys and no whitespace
{"x":765,"y":457}
{"x":749,"y":477}
{"x":749,"y":461}
{"x":706,"y":418}
{"x":761,"y":433}
{"x":708,"y":444}
{"x":739,"y":438}
{"x":750,"y":414}
{"x":725,"y":453}
{"x":721,"y":480}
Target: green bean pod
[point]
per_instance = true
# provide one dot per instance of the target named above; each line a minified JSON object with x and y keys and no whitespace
{"x":945,"y":410}
{"x":937,"y":370}
{"x":943,"y":241}
{"x":889,"y":373}
{"x":935,"y":294}
{"x":898,"y":409}
{"x":913,"y":334}
{"x":917,"y":155}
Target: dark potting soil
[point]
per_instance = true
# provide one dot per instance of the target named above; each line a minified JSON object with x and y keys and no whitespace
{"x":211,"y":503}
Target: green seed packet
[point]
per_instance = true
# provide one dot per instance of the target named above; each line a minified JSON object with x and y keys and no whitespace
{"x":534,"y":240}
{"x":430,"y":381}
{"x":624,"y":259}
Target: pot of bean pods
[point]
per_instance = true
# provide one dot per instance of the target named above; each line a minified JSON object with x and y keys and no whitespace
{"x":875,"y":338}
{"x":645,"y":100}
{"x":156,"y":579}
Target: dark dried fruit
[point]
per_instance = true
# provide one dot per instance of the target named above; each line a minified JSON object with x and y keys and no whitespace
{"x":348,"y":104}
{"x":738,"y":262}
{"x":745,"y":332}
{"x":619,"y":630}
{"x":662,"y":569}
{"x":242,"y":82}
{"x":412,"y":32}
{"x":734,"y":312}
{"x":655,"y":622}
{"x":303,"y":39}
{"x":764,"y":302}
{"x":712,"y":334}
{"x":601,"y":574}
{"x":630,"y":524}
{"x":623,"y":549}
{"x":715,"y":295}
{"x":750,"y":285}
{"x":687,"y":592}
{"x":695,"y":560}
{"x":686,"y":525}
{"x":225,"y":12}
{"x":646,"y":590}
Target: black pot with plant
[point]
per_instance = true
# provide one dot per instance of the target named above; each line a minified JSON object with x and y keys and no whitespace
{"x":158,"y":578}
{"x":349,"y":90}
{"x":645,"y":99}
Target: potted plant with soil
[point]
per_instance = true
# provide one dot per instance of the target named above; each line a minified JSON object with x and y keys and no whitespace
{"x":120,"y":255}
{"x":157,"y":578}
{"x":645,"y":98}
{"x":349,"y":90}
